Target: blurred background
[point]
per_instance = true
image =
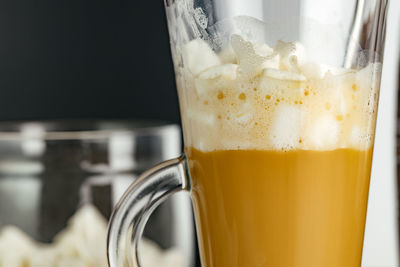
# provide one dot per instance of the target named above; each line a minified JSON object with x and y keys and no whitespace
{"x":85,"y":59}
{"x":70,"y":59}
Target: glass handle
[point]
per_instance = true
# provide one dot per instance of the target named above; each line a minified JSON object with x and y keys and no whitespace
{"x":135,"y":207}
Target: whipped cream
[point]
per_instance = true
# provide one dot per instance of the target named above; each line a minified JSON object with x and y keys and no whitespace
{"x":81,"y":244}
{"x":250,"y":95}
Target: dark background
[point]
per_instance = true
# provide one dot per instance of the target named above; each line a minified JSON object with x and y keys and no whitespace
{"x":64,"y":59}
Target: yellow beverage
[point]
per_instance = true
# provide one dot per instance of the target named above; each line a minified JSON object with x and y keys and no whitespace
{"x":280,"y":209}
{"x":279,"y":155}
{"x":278,"y":129}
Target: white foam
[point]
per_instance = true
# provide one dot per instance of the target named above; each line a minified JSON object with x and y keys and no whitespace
{"x":262,"y":97}
{"x":202,"y":118}
{"x":243,"y":115}
{"x":314,"y":70}
{"x":356,"y":135}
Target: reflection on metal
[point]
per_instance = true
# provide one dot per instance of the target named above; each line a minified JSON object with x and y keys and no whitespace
{"x":20,"y":200}
{"x":48,"y":170}
{"x":353,"y":43}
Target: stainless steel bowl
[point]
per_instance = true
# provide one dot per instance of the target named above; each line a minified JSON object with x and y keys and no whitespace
{"x":50,"y":169}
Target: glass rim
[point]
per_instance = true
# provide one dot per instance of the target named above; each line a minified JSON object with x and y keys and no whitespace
{"x":79,"y":129}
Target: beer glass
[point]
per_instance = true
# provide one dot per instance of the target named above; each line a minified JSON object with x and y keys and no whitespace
{"x":278,"y":102}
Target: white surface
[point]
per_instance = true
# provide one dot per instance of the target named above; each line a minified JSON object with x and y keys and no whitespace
{"x":380,"y":245}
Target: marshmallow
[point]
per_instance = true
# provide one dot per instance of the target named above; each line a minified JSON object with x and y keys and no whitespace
{"x":283,"y":75}
{"x":323,"y":133}
{"x":227,"y":71}
{"x":292,"y":55}
{"x":198,"y":56}
{"x":286,"y":128}
{"x":263,"y":50}
{"x":272,"y":62}
{"x":249,"y":61}
{"x":227,"y":56}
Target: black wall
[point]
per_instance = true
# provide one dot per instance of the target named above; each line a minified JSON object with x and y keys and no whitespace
{"x":64,"y":59}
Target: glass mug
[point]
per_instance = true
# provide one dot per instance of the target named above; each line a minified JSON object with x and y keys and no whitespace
{"x":278,"y":102}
